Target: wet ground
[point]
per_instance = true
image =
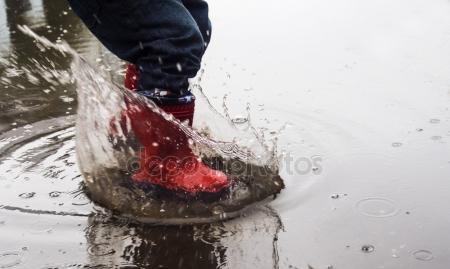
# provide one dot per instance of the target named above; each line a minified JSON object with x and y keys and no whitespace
{"x":359,"y":89}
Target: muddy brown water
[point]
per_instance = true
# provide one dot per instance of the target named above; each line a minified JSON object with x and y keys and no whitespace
{"x":360,"y":90}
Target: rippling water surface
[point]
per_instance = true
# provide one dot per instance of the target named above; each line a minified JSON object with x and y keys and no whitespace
{"x":356,"y":94}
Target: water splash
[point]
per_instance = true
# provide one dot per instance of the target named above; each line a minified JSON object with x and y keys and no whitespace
{"x":106,"y":146}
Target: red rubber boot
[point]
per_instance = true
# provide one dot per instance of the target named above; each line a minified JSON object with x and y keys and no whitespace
{"x":166,"y":158}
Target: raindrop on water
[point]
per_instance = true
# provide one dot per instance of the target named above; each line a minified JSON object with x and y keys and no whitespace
{"x":423,"y":255}
{"x":335,"y":196}
{"x":27,"y":195}
{"x":397,"y":144}
{"x":54,"y":194}
{"x":434,"y":121}
{"x":367,"y":248}
{"x":377,"y":207}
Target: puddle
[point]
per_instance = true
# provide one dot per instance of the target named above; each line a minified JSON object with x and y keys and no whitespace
{"x":346,"y":93}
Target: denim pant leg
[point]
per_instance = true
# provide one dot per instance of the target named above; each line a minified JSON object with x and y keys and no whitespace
{"x":200,"y":12}
{"x":160,"y":36}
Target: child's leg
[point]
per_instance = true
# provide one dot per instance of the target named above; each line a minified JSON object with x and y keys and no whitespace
{"x":163,"y":40}
{"x":160,"y":36}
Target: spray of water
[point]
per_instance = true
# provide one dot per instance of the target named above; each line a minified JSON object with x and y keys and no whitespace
{"x":106,"y":146}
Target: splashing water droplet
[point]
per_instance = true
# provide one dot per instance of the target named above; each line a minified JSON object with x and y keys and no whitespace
{"x":397,"y":144}
{"x":367,"y":248}
{"x":239,"y":120}
{"x":217,"y":210}
{"x":435,"y":121}
{"x":179,"y":67}
{"x":101,"y":250}
{"x":335,"y":196}
{"x":377,"y":207}
{"x":423,"y":255}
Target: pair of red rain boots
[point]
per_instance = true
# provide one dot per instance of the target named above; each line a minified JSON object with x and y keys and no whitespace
{"x":166,"y":158}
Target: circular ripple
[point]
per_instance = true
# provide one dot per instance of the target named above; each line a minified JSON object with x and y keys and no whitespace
{"x":423,"y":255}
{"x":45,"y":151}
{"x":377,"y":207}
{"x":10,"y":259}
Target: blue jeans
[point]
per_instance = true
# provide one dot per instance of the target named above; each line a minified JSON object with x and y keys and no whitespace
{"x":166,"y":39}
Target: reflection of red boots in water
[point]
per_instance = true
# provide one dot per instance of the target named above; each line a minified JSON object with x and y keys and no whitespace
{"x":166,"y":158}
